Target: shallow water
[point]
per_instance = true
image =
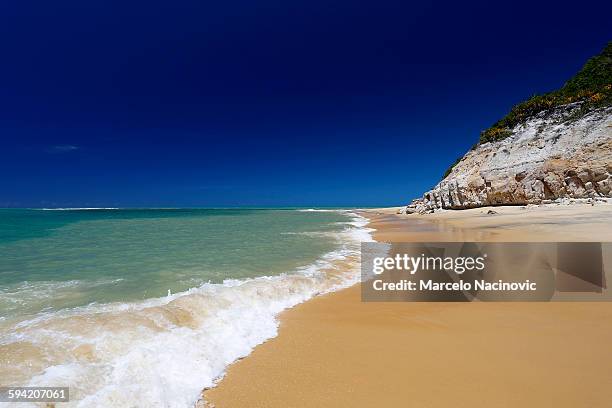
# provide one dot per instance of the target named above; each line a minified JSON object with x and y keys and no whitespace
{"x":147,"y":307}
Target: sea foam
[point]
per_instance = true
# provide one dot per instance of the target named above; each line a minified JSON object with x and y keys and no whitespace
{"x":162,"y":352}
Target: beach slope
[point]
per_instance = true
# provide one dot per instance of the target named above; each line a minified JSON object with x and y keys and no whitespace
{"x":335,"y":351}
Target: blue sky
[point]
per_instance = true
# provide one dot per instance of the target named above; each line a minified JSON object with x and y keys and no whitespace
{"x":265,"y":103}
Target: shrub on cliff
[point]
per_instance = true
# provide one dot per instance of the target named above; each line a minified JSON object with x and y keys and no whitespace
{"x":592,"y":86}
{"x":451,"y":167}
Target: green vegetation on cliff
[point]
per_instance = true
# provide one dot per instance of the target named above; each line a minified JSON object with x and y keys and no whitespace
{"x":450,"y":168}
{"x":592,"y":86}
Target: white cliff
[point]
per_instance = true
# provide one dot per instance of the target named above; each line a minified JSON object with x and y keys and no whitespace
{"x":551,"y":156}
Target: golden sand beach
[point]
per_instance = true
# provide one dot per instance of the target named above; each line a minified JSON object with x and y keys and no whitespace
{"x":336,"y":351}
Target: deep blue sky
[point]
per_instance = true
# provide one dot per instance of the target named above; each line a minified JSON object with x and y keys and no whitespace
{"x":265,"y":103}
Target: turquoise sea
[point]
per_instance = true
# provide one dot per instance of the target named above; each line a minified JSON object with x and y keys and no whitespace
{"x":162,"y":298}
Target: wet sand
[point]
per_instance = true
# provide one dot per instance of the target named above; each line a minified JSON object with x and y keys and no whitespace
{"x":335,"y":351}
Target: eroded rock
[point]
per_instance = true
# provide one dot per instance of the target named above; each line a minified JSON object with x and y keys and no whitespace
{"x":545,"y":159}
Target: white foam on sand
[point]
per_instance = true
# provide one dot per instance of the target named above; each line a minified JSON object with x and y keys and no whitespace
{"x":162,"y":352}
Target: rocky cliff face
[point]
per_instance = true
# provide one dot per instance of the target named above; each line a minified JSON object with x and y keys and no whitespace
{"x":548,"y":157}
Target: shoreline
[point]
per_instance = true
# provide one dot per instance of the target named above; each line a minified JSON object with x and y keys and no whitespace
{"x":183,"y":340}
{"x":334,"y":350}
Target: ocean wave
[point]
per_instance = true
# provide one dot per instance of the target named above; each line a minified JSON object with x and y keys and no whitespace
{"x":30,"y":295}
{"x":314,"y":234}
{"x":162,"y":352}
{"x":78,"y":209}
